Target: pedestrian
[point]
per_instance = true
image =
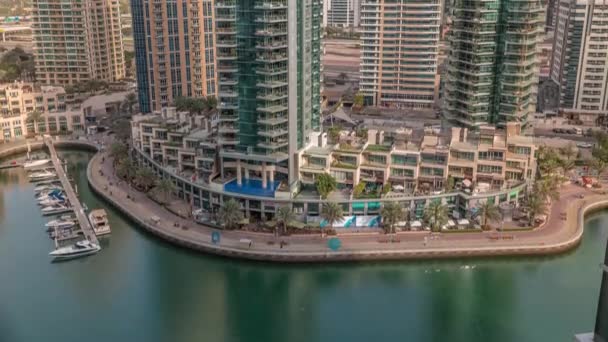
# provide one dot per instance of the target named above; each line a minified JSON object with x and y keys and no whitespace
{"x":249,"y":244}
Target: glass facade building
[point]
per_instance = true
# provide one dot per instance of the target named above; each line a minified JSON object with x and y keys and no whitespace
{"x":493,"y":61}
{"x":174,"y":51}
{"x":601,"y":323}
{"x":269,"y":82}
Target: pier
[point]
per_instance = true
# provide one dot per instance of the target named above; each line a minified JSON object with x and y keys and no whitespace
{"x":82,"y":218}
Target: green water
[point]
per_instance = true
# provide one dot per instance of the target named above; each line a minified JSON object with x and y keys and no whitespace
{"x":141,"y":289}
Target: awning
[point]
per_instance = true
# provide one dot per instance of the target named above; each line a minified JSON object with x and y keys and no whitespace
{"x":415,"y":224}
{"x":451,"y":223}
{"x":463,"y":222}
{"x":270,"y":224}
{"x":398,"y":187}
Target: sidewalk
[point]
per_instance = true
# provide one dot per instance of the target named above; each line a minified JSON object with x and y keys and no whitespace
{"x":557,"y":235}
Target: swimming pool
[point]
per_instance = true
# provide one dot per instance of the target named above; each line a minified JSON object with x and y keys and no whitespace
{"x":252,"y":187}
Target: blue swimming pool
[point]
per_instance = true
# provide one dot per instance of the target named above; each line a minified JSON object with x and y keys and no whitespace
{"x":252,"y":187}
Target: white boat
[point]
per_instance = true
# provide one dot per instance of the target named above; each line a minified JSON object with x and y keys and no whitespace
{"x":79,"y":249}
{"x":50,"y":201}
{"x":55,"y":194}
{"x":47,"y":187}
{"x":36,"y":163}
{"x":56,"y":209}
{"x":43,"y":175}
{"x":61,"y":223}
{"x":99,"y":221}
{"x":55,"y":182}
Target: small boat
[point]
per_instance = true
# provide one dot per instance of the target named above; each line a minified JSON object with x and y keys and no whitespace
{"x":55,"y":182}
{"x":99,"y":221}
{"x":40,"y":176}
{"x":47,"y":187}
{"x":55,"y":194}
{"x":56,"y":209}
{"x":79,"y":249}
{"x":36,"y":163}
{"x":50,"y":201}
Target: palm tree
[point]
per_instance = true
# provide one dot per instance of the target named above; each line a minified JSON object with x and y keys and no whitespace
{"x":34,"y":116}
{"x":599,"y":166}
{"x":284,"y":216}
{"x":548,"y":187}
{"x":488,"y":211}
{"x":436,"y":214}
{"x":211,"y":102}
{"x":567,"y":166}
{"x":126,"y":169}
{"x":165,"y":188}
{"x":536,"y":205}
{"x":332,"y":213}
{"x":230,"y":214}
{"x":130,"y":101}
{"x":569,"y":151}
{"x":119,"y":152}
{"x":144,"y":178}
{"x":391,"y":213}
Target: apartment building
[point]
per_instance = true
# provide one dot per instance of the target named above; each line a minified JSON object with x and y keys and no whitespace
{"x":400,"y":47}
{"x":492,"y":66}
{"x":174,"y":50}
{"x":421,"y":162}
{"x":269,"y":82}
{"x":179,"y":141}
{"x":77,"y":41}
{"x":413,"y":167}
{"x":580,"y":54}
{"x":342,"y":13}
{"x":17,"y":100}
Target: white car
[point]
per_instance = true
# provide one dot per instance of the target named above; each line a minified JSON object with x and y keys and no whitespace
{"x":584,"y":145}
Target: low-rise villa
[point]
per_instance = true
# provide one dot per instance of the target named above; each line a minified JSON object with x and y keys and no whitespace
{"x":412,"y":166}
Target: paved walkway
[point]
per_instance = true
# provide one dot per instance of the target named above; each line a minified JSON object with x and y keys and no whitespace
{"x":555,"y":236}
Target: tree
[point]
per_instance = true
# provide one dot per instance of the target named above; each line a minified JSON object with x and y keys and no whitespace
{"x":391,"y":213}
{"x":358,"y":100}
{"x":436,"y":214}
{"x":211,"y":102}
{"x":548,"y":187}
{"x":567,"y":166}
{"x":536,"y":205}
{"x":119,"y":151}
{"x":488,"y":211}
{"x":284,"y":216}
{"x":144,"y":178}
{"x":126,"y":169}
{"x":325,"y":184}
{"x":34,"y":117}
{"x":450,"y":184}
{"x":182,"y":103}
{"x":164,"y":188}
{"x":569,"y":151}
{"x":130,"y":101}
{"x":332,"y":212}
{"x":599,"y":166}
{"x":230,"y":214}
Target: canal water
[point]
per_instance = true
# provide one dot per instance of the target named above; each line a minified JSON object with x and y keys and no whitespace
{"x":139,"y":288}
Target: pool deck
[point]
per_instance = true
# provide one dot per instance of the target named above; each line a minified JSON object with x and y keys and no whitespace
{"x":556,"y":236}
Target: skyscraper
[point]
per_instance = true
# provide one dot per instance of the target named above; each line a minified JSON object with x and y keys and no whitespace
{"x":342,"y":13}
{"x":492,"y":71}
{"x":580,"y":48}
{"x":76,"y":41}
{"x":268,"y":62}
{"x":399,"y":52}
{"x":174,"y":50}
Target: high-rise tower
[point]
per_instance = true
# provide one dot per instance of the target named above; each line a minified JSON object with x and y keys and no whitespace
{"x":399,"y":52}
{"x":77,"y":41}
{"x":492,"y":71}
{"x":268,"y":62}
{"x":174,"y":50}
{"x":580,"y":54}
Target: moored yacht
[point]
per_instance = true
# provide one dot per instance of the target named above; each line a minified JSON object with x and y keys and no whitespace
{"x":36,"y":163}
{"x":79,"y":249}
{"x":56,"y":209}
{"x":61,"y":223}
{"x":42,"y":175}
{"x":99,"y":221}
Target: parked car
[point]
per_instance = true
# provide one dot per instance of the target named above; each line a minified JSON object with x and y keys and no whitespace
{"x":584,"y":145}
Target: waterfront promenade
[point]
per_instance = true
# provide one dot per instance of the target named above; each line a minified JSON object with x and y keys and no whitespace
{"x":557,"y":235}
